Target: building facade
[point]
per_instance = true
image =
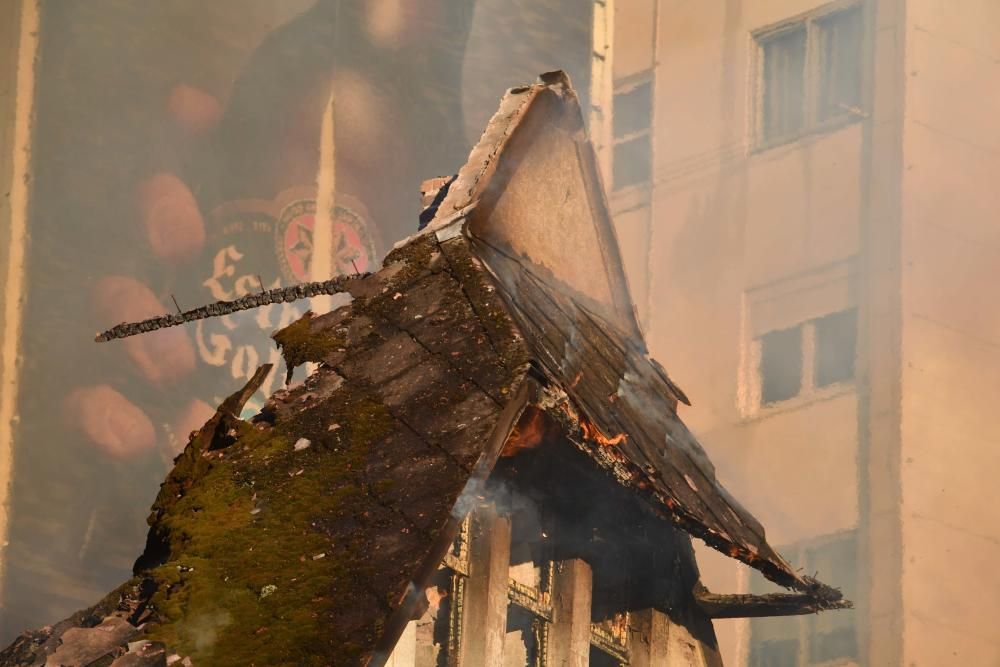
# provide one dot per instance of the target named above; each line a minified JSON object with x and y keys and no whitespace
{"x":800,"y":189}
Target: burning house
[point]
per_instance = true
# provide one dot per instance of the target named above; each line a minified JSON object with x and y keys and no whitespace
{"x":484,"y":468}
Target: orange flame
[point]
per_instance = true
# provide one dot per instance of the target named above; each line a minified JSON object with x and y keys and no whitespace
{"x":528,"y":433}
{"x":592,"y":432}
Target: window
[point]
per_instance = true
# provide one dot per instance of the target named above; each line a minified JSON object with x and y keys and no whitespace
{"x":784,"y":57}
{"x":809,"y":74}
{"x":632,"y":154}
{"x":633,"y":110}
{"x":799,"y":339}
{"x":632,"y":162}
{"x":781,"y":365}
{"x":839,"y":46}
{"x":810,"y":356}
{"x":836,"y":343}
{"x":818,"y":639}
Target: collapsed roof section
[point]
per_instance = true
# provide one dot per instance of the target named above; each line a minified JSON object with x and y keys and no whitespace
{"x":531,"y":204}
{"x":513,"y":295}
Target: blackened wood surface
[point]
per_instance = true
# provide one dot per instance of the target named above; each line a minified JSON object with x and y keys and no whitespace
{"x":715,"y":605}
{"x":420,"y":380}
{"x":590,"y":348}
{"x":609,"y":377}
{"x":415,"y":339}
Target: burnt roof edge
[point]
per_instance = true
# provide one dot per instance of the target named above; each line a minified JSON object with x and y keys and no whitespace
{"x":715,"y":605}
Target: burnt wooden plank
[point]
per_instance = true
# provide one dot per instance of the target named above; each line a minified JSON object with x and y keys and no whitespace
{"x":489,"y":307}
{"x":715,"y":605}
{"x":653,"y":427}
{"x":686,"y":477}
{"x":592,"y":390}
{"x":489,"y":444}
{"x":416,"y":479}
{"x":648,"y":415}
{"x":465,"y":444}
{"x":593,"y":369}
{"x":441,"y":319}
{"x":383,"y":363}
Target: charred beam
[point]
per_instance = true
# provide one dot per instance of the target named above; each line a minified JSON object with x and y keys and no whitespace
{"x":530,"y":599}
{"x":716,"y":605}
{"x":220,"y":308}
{"x":605,"y":640}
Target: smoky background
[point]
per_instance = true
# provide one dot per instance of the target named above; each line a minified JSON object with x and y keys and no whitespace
{"x":802,"y":195}
{"x":149,"y":121}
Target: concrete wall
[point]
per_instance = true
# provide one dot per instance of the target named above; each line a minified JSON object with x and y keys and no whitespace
{"x":905,"y":200}
{"x":951,"y":334}
{"x":730,"y":223}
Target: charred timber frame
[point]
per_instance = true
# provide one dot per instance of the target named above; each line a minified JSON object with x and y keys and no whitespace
{"x":715,"y":605}
{"x":605,"y":640}
{"x":481,"y":547}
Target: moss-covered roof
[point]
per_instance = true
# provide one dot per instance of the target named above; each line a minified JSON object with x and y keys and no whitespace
{"x":300,"y":537}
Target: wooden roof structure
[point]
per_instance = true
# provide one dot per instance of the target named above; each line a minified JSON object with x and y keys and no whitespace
{"x":532,"y":208}
{"x":512,"y":296}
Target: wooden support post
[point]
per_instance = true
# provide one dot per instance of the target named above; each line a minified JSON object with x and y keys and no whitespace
{"x":569,"y":634}
{"x":484,"y":612}
{"x":656,"y":641}
{"x":648,"y":634}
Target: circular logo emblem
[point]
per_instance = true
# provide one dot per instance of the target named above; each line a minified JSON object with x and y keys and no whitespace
{"x":351,"y":242}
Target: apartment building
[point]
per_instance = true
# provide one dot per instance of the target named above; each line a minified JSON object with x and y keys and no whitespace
{"x":801,"y":190}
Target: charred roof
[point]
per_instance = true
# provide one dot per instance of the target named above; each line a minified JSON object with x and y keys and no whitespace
{"x":511,"y":298}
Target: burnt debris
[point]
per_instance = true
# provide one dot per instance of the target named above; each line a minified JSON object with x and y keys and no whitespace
{"x":494,"y":351}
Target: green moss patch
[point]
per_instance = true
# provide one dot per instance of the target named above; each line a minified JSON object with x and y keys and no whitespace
{"x":255,"y":576}
{"x":299,"y":343}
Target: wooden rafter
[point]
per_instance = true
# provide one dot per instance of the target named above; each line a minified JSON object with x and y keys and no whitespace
{"x":716,"y":605}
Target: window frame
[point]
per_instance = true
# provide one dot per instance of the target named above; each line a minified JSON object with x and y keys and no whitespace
{"x":788,"y":302}
{"x":812,"y":77}
{"x":809,"y":390}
